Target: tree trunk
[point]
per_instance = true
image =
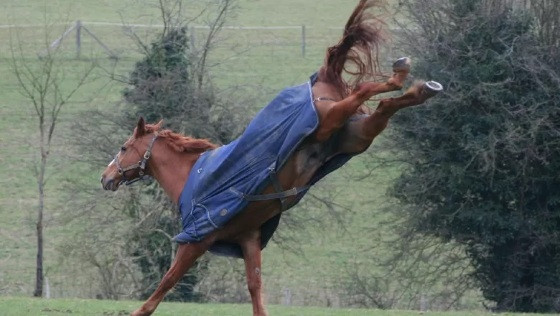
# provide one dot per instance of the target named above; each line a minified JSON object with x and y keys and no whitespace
{"x":41,"y":183}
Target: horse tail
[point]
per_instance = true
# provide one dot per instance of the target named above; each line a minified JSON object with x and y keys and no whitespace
{"x":356,"y":53}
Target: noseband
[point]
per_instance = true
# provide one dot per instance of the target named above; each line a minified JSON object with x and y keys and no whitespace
{"x":141,"y":165}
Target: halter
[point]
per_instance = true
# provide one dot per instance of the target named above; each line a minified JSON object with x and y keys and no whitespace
{"x":139,"y":165}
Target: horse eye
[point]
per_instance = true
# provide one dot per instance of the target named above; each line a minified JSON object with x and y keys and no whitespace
{"x":123,"y":148}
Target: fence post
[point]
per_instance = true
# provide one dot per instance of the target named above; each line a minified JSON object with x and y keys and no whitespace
{"x":303,"y":41}
{"x":287,"y":297}
{"x":109,"y":52}
{"x":192,"y":37}
{"x":57,"y":42}
{"x":78,"y":38}
{"x":47,"y":289}
{"x":423,"y":303}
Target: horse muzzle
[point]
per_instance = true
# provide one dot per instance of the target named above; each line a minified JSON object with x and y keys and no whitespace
{"x":109,"y":184}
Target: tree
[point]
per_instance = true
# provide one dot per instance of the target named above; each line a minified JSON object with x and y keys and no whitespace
{"x":46,"y":87}
{"x":171,"y":82}
{"x":162,"y":86}
{"x":481,"y":161}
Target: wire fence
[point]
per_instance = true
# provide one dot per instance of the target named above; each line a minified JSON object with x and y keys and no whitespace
{"x":119,"y":37}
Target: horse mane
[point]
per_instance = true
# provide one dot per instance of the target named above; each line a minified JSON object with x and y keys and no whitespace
{"x":181,"y":143}
{"x":357,"y":52}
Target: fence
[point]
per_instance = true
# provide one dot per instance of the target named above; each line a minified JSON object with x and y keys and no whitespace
{"x":77,"y":28}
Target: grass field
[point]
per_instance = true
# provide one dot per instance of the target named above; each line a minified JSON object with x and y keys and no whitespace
{"x":255,"y":63}
{"x":12,"y":306}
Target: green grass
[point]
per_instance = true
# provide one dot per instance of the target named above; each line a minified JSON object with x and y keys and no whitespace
{"x":15,"y":306}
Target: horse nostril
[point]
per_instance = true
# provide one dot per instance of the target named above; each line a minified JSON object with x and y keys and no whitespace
{"x":107,"y":185}
{"x":101,"y":179}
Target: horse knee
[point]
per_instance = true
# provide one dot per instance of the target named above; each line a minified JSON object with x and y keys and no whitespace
{"x":386,"y":108}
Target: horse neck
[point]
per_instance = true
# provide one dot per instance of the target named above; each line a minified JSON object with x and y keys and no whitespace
{"x":171,"y":168}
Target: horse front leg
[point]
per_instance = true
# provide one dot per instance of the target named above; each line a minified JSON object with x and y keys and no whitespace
{"x":401,"y":68}
{"x":251,"y":247}
{"x":338,"y":113}
{"x":185,"y":258}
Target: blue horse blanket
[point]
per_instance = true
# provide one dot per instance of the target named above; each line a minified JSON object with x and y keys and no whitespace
{"x":211,"y":196}
{"x":214,"y":192}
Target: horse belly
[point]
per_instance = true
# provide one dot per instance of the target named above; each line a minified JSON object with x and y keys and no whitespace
{"x":251,"y":218}
{"x":297,"y":172}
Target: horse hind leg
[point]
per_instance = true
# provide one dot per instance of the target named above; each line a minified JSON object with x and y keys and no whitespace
{"x":374,"y":124}
{"x":415,"y":95}
{"x":185,"y":258}
{"x":339,"y":112}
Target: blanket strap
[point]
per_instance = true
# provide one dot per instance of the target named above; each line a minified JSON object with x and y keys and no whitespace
{"x":278,"y":195}
{"x":280,"y":192}
{"x":277,"y":187}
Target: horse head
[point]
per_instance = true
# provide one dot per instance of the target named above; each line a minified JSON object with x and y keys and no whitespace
{"x":130,"y":163}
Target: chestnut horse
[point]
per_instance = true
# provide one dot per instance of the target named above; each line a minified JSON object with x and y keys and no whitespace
{"x":345,"y":127}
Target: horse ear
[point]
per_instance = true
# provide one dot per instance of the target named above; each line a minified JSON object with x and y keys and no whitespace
{"x":140,"y":128}
{"x":158,"y":125}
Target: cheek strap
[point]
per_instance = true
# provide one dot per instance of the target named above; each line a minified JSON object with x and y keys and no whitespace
{"x":139,"y":165}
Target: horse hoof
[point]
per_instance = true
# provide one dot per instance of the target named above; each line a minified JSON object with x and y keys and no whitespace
{"x":402,"y":64}
{"x":431,"y":88}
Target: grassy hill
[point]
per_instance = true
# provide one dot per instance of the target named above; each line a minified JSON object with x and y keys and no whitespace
{"x":247,"y":62}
